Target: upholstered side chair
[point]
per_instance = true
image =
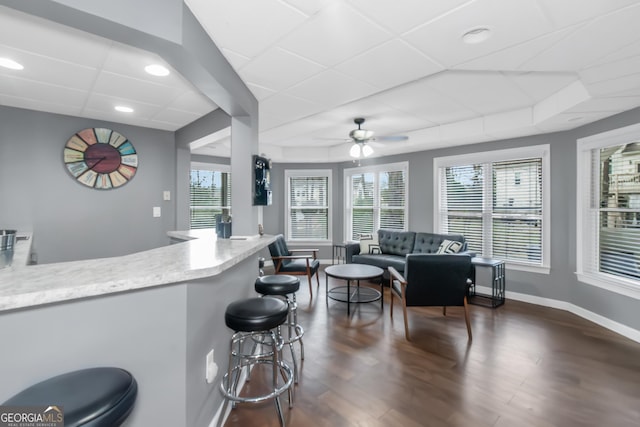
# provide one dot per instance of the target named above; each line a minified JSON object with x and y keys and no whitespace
{"x":432,"y":280}
{"x":300,"y":262}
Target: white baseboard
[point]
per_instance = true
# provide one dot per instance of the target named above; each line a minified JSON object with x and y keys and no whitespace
{"x":619,"y":328}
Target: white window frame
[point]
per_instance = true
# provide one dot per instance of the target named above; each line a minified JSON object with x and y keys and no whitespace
{"x":323,"y":173}
{"x":510,"y":154}
{"x":587,"y":237}
{"x":213,"y":167}
{"x":376,"y":169}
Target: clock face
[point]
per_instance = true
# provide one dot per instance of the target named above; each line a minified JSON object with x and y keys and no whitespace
{"x":100,"y":158}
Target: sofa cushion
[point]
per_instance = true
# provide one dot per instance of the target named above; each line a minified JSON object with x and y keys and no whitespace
{"x":449,"y":247}
{"x":381,"y":260}
{"x":429,"y":243}
{"x":394,"y":242}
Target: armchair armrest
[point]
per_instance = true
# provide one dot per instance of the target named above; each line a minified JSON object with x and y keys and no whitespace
{"x":395,"y":276}
{"x":351,"y":249}
{"x":313,"y":251}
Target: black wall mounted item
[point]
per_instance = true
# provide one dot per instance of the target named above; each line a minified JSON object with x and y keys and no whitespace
{"x":261,"y":181}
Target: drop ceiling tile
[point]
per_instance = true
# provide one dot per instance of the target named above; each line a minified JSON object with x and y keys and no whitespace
{"x":39,"y":91}
{"x":610,"y":104}
{"x":260,"y":92}
{"x":589,"y":42}
{"x":568,"y":12}
{"x":508,"y":122}
{"x":334,"y":34}
{"x":48,"y":70}
{"x":611,"y":71}
{"x":512,"y":57}
{"x":262,"y":23}
{"x":236,"y":60}
{"x":539,"y":86}
{"x":97,"y":103}
{"x":623,"y":85}
{"x":287,"y":107}
{"x":308,"y":7}
{"x":129,"y":88}
{"x":47,"y":38}
{"x":177,"y":118}
{"x":193,"y":102}
{"x":390,"y":64}
{"x":59,"y":106}
{"x":331,"y":88}
{"x":403,"y":15}
{"x":278,"y":69}
{"x":510,"y":22}
{"x":482,"y":92}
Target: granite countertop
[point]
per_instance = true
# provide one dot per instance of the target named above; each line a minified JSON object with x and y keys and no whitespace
{"x":200,"y":255}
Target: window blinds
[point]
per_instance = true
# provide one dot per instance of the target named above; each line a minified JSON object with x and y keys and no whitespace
{"x":210,"y":195}
{"x":309,"y":207}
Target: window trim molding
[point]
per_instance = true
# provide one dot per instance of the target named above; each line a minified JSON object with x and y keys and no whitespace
{"x":542,"y":151}
{"x":346,"y":180}
{"x":289,"y":173}
{"x":584,"y":182}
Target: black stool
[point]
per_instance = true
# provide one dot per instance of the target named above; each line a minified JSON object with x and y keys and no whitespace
{"x":283,"y":285}
{"x":257,"y":321}
{"x":94,"y":397}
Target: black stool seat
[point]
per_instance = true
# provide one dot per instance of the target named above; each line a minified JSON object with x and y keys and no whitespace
{"x":277,"y":284}
{"x":256,"y":314}
{"x":94,"y":397}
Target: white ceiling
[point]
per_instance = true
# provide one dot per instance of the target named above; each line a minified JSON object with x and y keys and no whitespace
{"x":315,"y":65}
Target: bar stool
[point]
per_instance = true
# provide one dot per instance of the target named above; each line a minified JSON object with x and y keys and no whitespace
{"x":257,"y":321}
{"x":94,"y":397}
{"x":281,"y":286}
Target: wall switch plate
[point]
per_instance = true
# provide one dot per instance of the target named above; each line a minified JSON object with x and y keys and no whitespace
{"x":157,"y":212}
{"x":211,"y":369}
{"x":166,"y":195}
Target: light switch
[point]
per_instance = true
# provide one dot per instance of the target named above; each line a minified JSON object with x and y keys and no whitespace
{"x":157,"y":212}
{"x":166,"y":195}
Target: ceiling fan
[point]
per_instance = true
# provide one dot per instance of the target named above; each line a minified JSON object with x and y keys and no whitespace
{"x":360,"y":137}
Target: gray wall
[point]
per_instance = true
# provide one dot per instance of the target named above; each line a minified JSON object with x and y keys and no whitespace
{"x":71,"y":221}
{"x":561,"y":283}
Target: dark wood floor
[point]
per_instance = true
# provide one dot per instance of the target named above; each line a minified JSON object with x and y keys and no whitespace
{"x":526,"y":366}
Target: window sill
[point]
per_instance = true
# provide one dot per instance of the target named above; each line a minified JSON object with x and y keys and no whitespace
{"x":620,"y":286}
{"x":528,"y":268}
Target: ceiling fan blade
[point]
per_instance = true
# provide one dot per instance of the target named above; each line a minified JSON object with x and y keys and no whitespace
{"x":392,"y":138}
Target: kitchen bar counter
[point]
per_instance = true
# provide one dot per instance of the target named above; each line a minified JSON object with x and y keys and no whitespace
{"x":200,"y":255}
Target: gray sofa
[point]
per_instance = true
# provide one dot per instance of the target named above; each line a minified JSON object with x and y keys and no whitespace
{"x":395,"y":245}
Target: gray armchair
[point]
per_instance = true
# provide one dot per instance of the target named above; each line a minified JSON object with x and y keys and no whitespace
{"x":291,"y":261}
{"x":432,"y":280}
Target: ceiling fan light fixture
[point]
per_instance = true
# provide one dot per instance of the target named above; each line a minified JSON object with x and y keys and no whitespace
{"x":367,"y":150}
{"x":361,"y":134}
{"x":355,"y":151}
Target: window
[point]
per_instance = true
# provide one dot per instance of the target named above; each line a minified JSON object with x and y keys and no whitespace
{"x":499,"y":201}
{"x":308,"y":205}
{"x":375,"y":197}
{"x":608,"y":211}
{"x":210,"y":194}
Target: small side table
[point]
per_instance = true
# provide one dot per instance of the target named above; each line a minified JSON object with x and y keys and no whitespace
{"x":497,"y":283}
{"x":339,"y":254}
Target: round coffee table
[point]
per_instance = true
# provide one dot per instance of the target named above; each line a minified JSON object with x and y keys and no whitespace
{"x":351,"y":272}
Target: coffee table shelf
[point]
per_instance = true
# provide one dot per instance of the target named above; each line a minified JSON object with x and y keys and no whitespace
{"x":353,"y":294}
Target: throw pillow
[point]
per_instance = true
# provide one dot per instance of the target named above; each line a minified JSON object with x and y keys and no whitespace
{"x":368,"y":242}
{"x":449,"y":247}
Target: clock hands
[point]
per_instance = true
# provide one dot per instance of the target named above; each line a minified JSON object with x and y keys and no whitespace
{"x":99,"y":159}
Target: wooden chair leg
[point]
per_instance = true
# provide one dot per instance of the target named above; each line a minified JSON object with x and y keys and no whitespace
{"x":310,"y":284}
{"x":466,"y":318}
{"x":406,"y":320}
{"x":318,"y":277}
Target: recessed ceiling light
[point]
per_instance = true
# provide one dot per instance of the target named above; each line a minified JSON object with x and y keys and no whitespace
{"x":476,"y":35}
{"x":11,"y":64}
{"x":157,"y":70}
{"x":123,"y":109}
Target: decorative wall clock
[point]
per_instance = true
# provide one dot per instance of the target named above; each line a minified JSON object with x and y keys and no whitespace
{"x":100,"y":158}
